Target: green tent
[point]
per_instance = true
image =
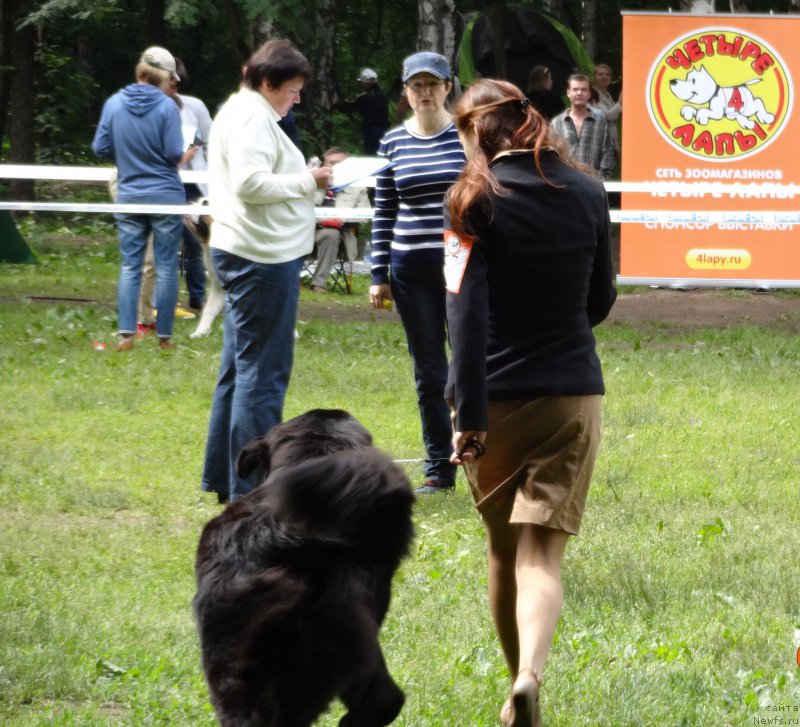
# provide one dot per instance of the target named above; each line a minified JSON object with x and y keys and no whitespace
{"x":532,"y":38}
{"x":13,"y":248}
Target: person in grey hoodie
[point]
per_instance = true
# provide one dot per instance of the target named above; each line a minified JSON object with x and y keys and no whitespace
{"x":140,"y":131}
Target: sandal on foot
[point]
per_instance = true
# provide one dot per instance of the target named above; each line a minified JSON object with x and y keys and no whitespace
{"x":523,"y":709}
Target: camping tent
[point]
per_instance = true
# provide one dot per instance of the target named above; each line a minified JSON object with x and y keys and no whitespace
{"x":532,"y":38}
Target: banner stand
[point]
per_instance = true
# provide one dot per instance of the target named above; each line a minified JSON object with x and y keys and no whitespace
{"x":709,"y":101}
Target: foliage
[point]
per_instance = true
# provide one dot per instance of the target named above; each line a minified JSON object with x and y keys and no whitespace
{"x":87,"y":50}
{"x":55,"y":11}
{"x":65,"y":93}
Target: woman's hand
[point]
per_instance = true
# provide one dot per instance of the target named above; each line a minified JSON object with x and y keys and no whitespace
{"x":380,"y":293}
{"x":465,"y":448}
{"x":188,"y":155}
{"x":322,"y":176}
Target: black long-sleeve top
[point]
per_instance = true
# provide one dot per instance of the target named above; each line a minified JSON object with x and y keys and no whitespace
{"x":373,"y":105}
{"x":538,"y":278}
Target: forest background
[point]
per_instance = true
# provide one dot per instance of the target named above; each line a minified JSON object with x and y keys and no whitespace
{"x":60,"y":59}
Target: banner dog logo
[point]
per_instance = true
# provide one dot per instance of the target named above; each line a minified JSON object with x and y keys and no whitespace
{"x":719,"y":94}
{"x":735,"y":102}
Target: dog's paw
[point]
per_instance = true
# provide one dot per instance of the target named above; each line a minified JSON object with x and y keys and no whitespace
{"x":745,"y":123}
{"x":702,"y":116}
{"x":688,"y":112}
{"x":200,"y":333}
{"x":765,"y":117}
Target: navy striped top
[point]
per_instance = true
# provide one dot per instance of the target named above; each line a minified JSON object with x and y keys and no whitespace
{"x":408,"y":224}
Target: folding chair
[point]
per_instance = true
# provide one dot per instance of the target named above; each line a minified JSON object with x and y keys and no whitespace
{"x":341,"y":275}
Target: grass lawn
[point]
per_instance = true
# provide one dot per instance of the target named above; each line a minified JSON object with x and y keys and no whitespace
{"x":682,"y":600}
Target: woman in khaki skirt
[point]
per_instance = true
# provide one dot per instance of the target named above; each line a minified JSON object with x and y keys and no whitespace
{"x":528,"y":269}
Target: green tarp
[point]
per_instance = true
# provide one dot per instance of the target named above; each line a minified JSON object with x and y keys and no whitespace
{"x":532,"y":38}
{"x":13,"y":248}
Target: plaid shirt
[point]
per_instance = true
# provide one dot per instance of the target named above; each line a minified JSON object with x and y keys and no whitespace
{"x":593,"y":147}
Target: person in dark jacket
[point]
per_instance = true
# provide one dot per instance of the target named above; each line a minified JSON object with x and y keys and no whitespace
{"x":540,"y":93}
{"x":140,"y":131}
{"x":528,"y":270}
{"x":372,"y":105}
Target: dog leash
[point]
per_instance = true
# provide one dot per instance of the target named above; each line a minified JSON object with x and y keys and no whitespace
{"x":421,"y":459}
{"x":470,"y":444}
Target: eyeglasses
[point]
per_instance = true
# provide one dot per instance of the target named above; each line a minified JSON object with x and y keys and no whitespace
{"x":420,"y":86}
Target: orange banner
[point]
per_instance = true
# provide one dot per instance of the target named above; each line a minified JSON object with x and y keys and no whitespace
{"x":708,"y":106}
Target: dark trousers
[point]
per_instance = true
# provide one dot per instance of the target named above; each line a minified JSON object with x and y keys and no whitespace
{"x":420,"y":297}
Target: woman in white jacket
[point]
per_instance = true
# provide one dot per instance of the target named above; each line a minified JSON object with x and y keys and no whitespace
{"x":262,"y":195}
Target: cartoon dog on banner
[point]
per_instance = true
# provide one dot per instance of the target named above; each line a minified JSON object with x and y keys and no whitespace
{"x":716,"y":102}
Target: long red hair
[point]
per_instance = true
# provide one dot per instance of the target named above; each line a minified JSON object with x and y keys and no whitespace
{"x":498,"y":117}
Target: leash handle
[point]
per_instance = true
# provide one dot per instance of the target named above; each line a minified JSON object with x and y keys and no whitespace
{"x":472,"y":443}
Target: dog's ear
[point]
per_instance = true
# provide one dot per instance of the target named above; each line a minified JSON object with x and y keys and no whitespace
{"x":253,"y":455}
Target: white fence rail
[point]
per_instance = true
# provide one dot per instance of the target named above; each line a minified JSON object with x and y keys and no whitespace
{"x":661,"y":189}
{"x":677,"y":219}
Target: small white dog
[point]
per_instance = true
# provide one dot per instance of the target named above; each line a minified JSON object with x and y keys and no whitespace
{"x":215,"y":300}
{"x":716,"y":102}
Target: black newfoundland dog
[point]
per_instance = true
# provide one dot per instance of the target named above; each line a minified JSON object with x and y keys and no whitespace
{"x":294,"y":580}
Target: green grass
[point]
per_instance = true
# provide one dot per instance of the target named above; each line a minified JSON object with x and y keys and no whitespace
{"x":681,"y":591}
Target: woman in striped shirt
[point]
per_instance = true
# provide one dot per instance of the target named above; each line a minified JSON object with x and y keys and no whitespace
{"x":408,"y":246}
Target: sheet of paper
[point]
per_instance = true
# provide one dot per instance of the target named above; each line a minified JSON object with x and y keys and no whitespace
{"x":358,"y":171}
{"x":189,"y":135}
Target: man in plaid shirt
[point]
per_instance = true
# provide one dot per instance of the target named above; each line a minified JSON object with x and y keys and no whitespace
{"x":585,"y":130}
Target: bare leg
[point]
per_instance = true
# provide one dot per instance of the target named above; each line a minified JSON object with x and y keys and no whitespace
{"x":526,"y":597}
{"x":539,"y":592}
{"x":502,"y":542}
{"x":525,"y":594}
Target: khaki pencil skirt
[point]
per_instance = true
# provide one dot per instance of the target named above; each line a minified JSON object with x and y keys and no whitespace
{"x":539,"y":459}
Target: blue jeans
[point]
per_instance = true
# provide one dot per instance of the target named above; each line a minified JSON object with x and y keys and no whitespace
{"x":420,"y":297}
{"x":257,"y":356}
{"x":133,"y":231}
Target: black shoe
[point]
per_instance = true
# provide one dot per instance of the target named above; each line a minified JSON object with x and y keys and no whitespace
{"x":431,"y":487}
{"x":197,"y":303}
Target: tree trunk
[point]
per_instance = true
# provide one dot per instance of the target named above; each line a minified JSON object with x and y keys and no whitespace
{"x":22,"y":105}
{"x":378,"y":36}
{"x":156,"y":25}
{"x":589,"y":27}
{"x":263,"y":29}
{"x":697,"y":6}
{"x":6,"y":39}
{"x":315,"y":116}
{"x":436,"y":27}
{"x":554,"y":7}
{"x":236,"y":27}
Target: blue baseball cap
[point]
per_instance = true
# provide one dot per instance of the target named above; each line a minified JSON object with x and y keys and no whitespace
{"x":426,"y":62}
